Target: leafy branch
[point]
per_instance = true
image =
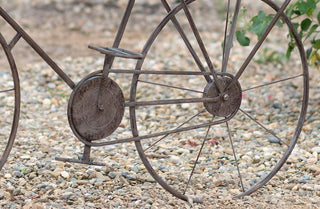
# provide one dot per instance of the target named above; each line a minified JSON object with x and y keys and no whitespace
{"x":306,"y":20}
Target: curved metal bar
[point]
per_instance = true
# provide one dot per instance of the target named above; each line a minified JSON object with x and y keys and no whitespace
{"x":303,"y":108}
{"x":16,"y":113}
{"x":175,"y":192}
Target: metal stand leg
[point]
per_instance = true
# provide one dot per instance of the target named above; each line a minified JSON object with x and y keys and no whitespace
{"x":84,"y":159}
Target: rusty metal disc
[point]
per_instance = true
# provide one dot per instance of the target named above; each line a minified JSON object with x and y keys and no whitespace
{"x":229,"y":101}
{"x":86,"y":118}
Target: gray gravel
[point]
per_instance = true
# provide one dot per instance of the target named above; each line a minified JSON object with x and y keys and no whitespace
{"x":33,"y":179}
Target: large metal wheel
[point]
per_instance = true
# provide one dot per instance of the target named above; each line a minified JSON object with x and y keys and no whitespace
{"x":9,"y":101}
{"x":218,"y":118}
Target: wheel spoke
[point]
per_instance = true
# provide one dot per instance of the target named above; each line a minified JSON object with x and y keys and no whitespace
{"x":260,"y":42}
{"x":162,"y":133}
{"x":229,"y":42}
{"x":186,"y":40}
{"x":182,"y":124}
{"x":170,"y":86}
{"x":273,"y":82}
{"x":171,"y":101}
{"x":235,"y":157}
{"x":200,"y":43}
{"x":262,"y":126}
{"x":226,"y":31}
{"x":197,"y":159}
{"x":8,"y":90}
{"x":158,"y":136}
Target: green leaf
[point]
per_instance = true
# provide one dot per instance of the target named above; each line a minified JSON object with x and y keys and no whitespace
{"x":311,"y":31}
{"x":289,"y":50}
{"x":296,"y":25}
{"x":310,"y":12}
{"x":305,"y":24}
{"x":308,"y":53}
{"x":318,"y":17}
{"x":242,"y":38}
{"x":260,"y":23}
{"x":315,"y":58}
{"x":316,"y":44}
{"x":290,"y":10}
{"x":297,"y":12}
{"x":306,"y":6}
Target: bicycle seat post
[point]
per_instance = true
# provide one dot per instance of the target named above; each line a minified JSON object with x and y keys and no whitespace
{"x":108,"y":61}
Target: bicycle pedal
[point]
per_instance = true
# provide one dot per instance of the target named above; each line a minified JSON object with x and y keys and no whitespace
{"x":80,"y":160}
{"x":117,"y":52}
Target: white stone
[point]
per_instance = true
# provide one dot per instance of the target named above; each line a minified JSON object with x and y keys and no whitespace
{"x":65,"y":174}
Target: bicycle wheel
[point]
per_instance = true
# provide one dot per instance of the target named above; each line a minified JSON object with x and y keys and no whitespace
{"x":216,"y":118}
{"x":10,"y":101}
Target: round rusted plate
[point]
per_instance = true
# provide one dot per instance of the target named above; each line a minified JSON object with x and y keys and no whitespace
{"x":229,"y":101}
{"x":86,"y":118}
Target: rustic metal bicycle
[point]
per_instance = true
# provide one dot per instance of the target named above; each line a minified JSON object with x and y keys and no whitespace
{"x":272,"y":102}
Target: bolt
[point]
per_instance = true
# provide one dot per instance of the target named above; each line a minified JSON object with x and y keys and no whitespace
{"x":100,"y":107}
{"x":225,"y":97}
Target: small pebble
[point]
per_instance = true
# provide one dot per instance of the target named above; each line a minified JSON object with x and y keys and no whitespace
{"x":65,"y":174}
{"x":112,"y":175}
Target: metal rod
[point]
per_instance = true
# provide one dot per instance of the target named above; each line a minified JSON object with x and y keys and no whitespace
{"x":258,"y":45}
{"x":262,"y":126}
{"x":109,"y":59}
{"x":160,"y":72}
{"x":171,"y":101}
{"x":182,"y":124}
{"x":15,"y":40}
{"x":274,"y":82}
{"x":37,"y":48}
{"x":86,"y":154}
{"x":197,"y":159}
{"x":148,"y":136}
{"x":235,"y":157}
{"x":225,"y":31}
{"x":186,"y":41}
{"x":170,"y":86}
{"x":230,"y":37}
{"x":200,"y":43}
{"x":4,"y":91}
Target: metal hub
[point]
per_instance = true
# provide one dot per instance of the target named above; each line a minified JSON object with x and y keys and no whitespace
{"x":86,"y":118}
{"x":229,"y":100}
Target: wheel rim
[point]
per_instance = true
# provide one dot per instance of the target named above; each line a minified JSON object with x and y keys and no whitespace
{"x":10,"y":99}
{"x":157,"y":166}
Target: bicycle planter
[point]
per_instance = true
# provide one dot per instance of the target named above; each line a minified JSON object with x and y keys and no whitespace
{"x":97,"y":103}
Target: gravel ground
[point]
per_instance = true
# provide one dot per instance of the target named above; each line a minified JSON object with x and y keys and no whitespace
{"x":33,"y":179}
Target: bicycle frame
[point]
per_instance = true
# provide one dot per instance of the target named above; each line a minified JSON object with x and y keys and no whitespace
{"x":109,"y":58}
{"x":211,"y":76}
